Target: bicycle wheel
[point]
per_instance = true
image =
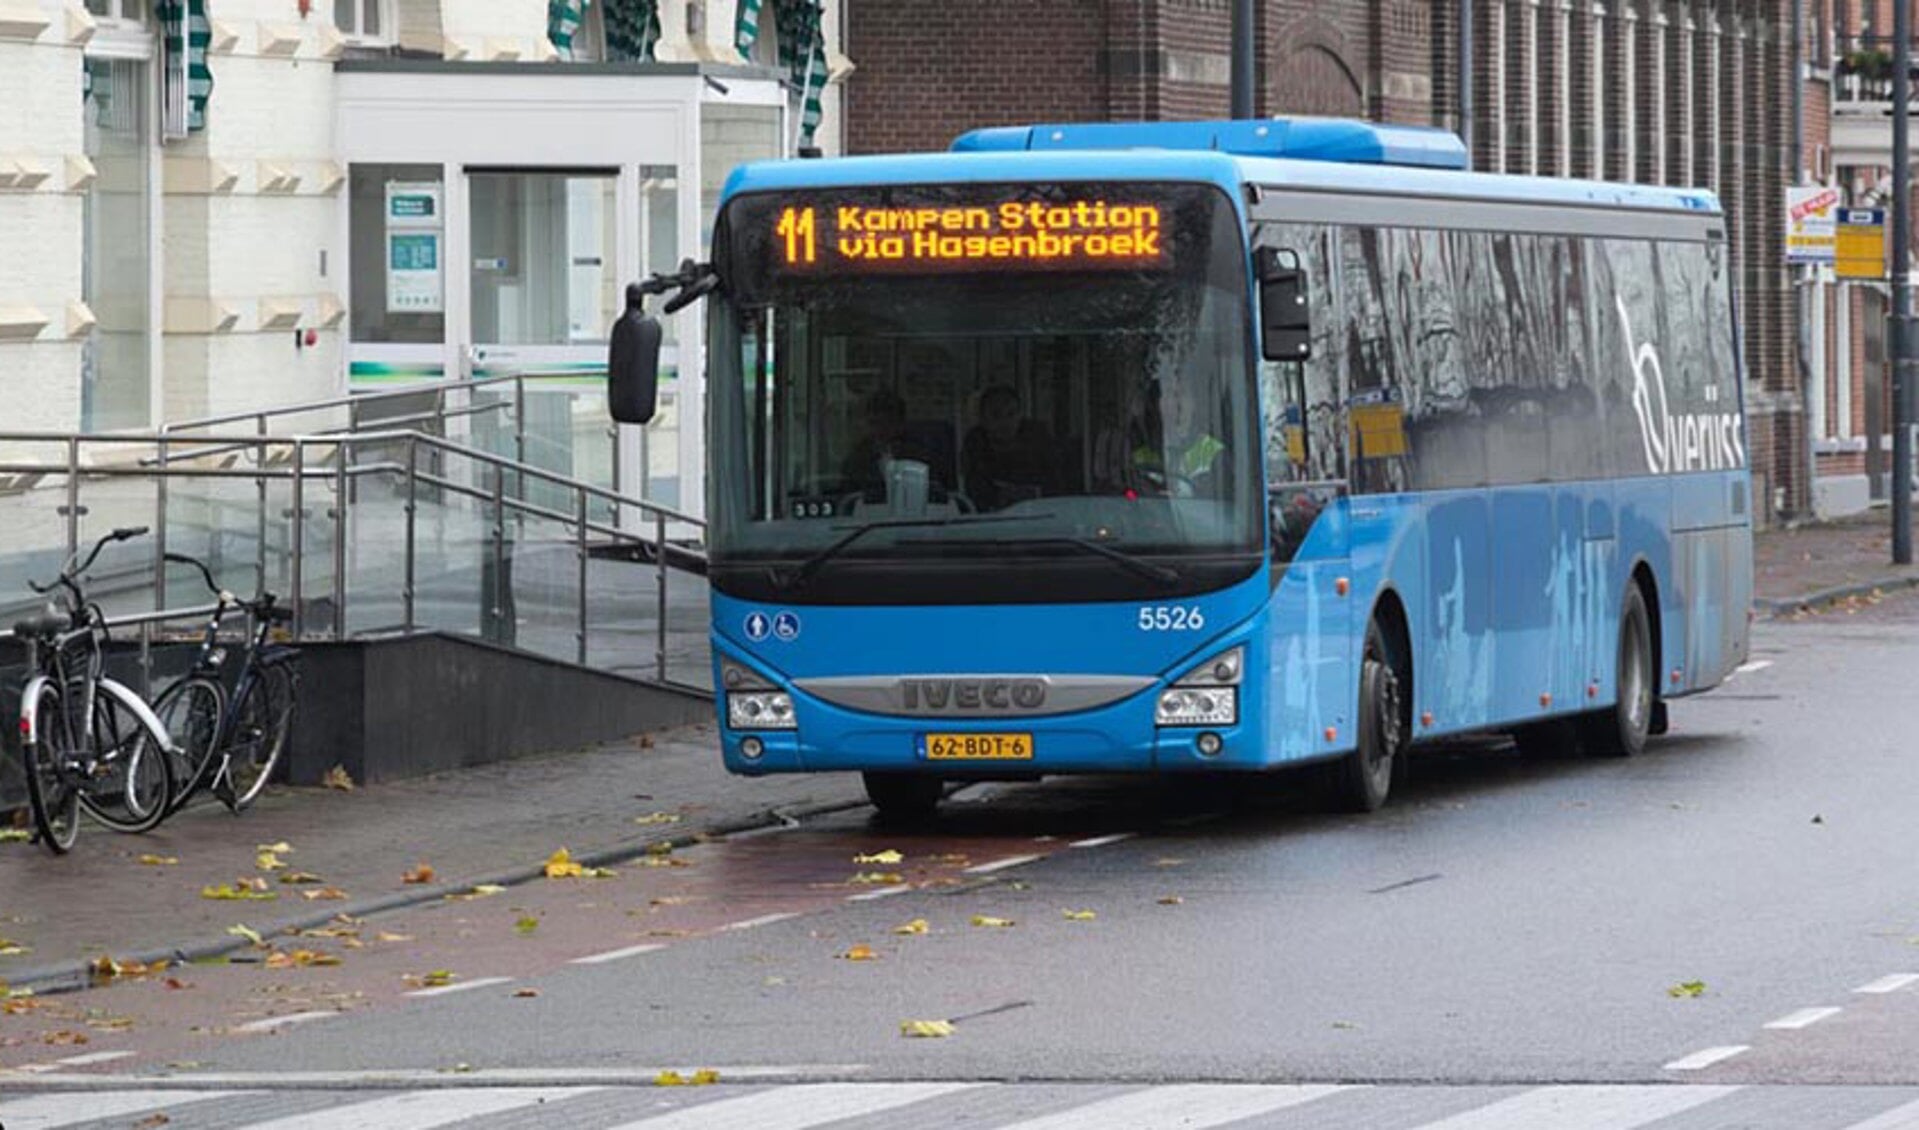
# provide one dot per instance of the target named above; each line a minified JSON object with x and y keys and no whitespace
{"x":131,"y":788}
{"x":46,"y":743}
{"x":189,"y":710}
{"x":261,"y":723}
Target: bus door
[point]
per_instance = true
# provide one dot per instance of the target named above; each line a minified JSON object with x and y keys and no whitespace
{"x":1312,"y":687}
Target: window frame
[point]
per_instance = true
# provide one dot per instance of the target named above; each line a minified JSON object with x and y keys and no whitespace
{"x":356,"y":36}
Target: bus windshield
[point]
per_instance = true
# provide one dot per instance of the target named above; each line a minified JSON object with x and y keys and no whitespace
{"x":912,"y":387}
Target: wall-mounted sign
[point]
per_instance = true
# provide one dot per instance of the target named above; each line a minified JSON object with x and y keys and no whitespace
{"x":1810,"y":229}
{"x":415,"y":275}
{"x":1860,"y":244}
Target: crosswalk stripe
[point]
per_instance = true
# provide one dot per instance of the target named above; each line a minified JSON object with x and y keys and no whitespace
{"x":1904,"y":1117}
{"x":422,"y":1110}
{"x":798,"y":1107}
{"x":1584,"y":1107}
{"x":43,"y":1112}
{"x":1189,"y":1106}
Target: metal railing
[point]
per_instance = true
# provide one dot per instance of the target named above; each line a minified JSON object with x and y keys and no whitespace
{"x":411,"y":521}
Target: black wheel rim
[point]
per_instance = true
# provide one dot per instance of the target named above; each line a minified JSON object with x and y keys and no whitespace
{"x":1635,"y":678}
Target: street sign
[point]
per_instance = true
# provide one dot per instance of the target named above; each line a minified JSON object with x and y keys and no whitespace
{"x":1860,"y":244}
{"x":1810,"y":212}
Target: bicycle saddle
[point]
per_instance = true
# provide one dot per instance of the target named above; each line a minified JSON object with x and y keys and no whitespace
{"x":40,"y":627}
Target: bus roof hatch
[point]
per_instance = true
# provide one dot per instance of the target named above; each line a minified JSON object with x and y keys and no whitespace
{"x":1305,"y":139}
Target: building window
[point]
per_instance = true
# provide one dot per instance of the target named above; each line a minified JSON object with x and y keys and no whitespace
{"x":119,"y":11}
{"x":364,"y":21}
{"x":116,"y":389}
{"x":396,"y":220}
{"x":543,"y":251}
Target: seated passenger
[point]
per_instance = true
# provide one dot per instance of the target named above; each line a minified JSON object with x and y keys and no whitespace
{"x":1007,"y":457}
{"x":884,"y":436}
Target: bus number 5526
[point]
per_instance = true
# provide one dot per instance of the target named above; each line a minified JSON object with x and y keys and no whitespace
{"x":1171,"y":618}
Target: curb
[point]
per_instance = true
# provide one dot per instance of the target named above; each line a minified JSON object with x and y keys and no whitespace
{"x":1776,"y":607}
{"x":73,"y":976}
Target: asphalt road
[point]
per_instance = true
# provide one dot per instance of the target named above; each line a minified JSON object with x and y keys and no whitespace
{"x":1508,"y":935}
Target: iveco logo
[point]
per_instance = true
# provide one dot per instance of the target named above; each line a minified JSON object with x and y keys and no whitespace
{"x":972,"y":694}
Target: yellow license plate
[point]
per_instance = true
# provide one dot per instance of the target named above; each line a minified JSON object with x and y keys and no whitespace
{"x":979,"y":747}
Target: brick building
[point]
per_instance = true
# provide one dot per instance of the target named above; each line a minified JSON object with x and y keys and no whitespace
{"x":1646,"y":90}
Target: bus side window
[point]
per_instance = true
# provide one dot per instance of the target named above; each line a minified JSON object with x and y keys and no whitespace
{"x":1299,"y":400}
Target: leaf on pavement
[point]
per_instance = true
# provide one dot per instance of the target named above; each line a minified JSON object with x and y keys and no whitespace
{"x":152,"y":860}
{"x":105,"y":968}
{"x":421,"y":873}
{"x":483,"y":889}
{"x":269,"y":861}
{"x":1079,"y":915}
{"x":64,"y":1038}
{"x":888,"y":856}
{"x":390,"y":936}
{"x":158,"y":1118}
{"x":176,"y":983}
{"x":1687,"y":989}
{"x":560,"y":865}
{"x":338,"y":778}
{"x":860,"y":953}
{"x":291,"y":877}
{"x":14,"y":835}
{"x":278,"y":848}
{"x":1171,"y":900}
{"x":527,"y":924}
{"x":431,"y":979}
{"x":663,"y":861}
{"x":658,"y":818}
{"x":247,"y":932}
{"x":323,"y":894}
{"x":926,"y":1029}
{"x":11,"y":948}
{"x":704,"y":1077}
{"x":877,"y":878}
{"x":526,"y":992}
{"x":989,"y":920}
{"x":232,"y":891}
{"x":916,"y":926}
{"x":287,"y":960}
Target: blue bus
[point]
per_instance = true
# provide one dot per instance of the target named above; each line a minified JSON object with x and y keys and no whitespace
{"x":1211,"y":446}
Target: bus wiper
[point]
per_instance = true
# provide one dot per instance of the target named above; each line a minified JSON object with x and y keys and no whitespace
{"x":1164,"y":574}
{"x":806,"y":569}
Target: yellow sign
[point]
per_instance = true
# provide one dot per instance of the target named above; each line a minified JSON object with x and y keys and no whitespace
{"x":1860,"y":244}
{"x":1084,"y":233}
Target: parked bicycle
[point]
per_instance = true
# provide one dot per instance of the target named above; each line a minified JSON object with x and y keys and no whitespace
{"x":230,"y":743}
{"x":89,"y":743}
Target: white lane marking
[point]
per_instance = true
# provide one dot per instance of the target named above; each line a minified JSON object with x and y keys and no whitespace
{"x":459,"y":987}
{"x":1804,"y":1018}
{"x":94,"y":1057}
{"x":1583,"y":1107}
{"x":642,"y":1075}
{"x":43,"y":1112}
{"x":1102,"y":841}
{"x":762,"y":920}
{"x":615,"y":955}
{"x":1902,"y":1117}
{"x":883,"y":892}
{"x":1190,"y":1106}
{"x":422,"y":1110}
{"x":1891,"y":983}
{"x":1749,"y":667}
{"x":999,"y":864}
{"x":797,"y":1107}
{"x":1705,"y":1057}
{"x":269,"y":1023}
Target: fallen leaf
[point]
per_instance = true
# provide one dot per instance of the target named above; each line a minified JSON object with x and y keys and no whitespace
{"x":877,"y":878}
{"x":483,"y":889}
{"x":432,"y":979}
{"x":152,"y":860}
{"x":176,"y":983}
{"x":658,"y":818}
{"x":280,"y":848}
{"x":338,"y":778}
{"x":527,"y":924}
{"x":390,"y":936}
{"x":989,"y":920}
{"x":669,"y":1079}
{"x":64,"y":1038}
{"x":300,"y":877}
{"x":860,"y":953}
{"x":526,"y":992}
{"x":926,"y":1029}
{"x":1171,"y":900}
{"x":1687,"y":989}
{"x":15,"y":835}
{"x":11,"y":948}
{"x":110,"y":1023}
{"x":251,"y":883}
{"x":1169,"y":862}
{"x":156,"y":1119}
{"x":662,"y":861}
{"x":300,"y":958}
{"x":887,"y":856}
{"x":1345,"y":1025}
{"x":560,"y":865}
{"x":268,"y":861}
{"x":916,"y":926}
{"x":247,"y":932}
{"x":323,"y":894}
{"x":421,"y":873}
{"x":1079,"y":915}
{"x":230,"y":891}
{"x":105,"y":968}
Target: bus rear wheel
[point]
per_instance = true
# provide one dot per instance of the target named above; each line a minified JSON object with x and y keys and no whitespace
{"x":1621,"y":730}
{"x":1362,"y":780}
{"x":903,"y":797}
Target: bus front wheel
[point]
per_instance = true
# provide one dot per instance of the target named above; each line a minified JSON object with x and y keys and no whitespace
{"x":1621,"y":730}
{"x":1361,"y":781}
{"x":903,"y":797}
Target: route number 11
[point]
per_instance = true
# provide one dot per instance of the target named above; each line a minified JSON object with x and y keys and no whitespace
{"x":796,"y":227}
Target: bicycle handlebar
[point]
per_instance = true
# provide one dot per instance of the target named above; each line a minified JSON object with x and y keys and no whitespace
{"x":68,"y":571}
{"x":206,"y":574}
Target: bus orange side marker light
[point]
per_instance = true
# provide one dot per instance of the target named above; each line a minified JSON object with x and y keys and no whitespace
{"x":1545,"y":700}
{"x":1341,"y":586}
{"x":1675,"y":675}
{"x":1426,"y":718}
{"x":1332,"y":732}
{"x":1592,"y":690}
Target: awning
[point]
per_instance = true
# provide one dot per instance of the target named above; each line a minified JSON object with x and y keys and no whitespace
{"x":802,"y":50}
{"x":184,"y":27}
{"x":632,"y":27}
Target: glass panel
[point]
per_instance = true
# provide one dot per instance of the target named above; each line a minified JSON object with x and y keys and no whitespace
{"x":31,"y":511}
{"x":453,"y":546}
{"x":376,"y":543}
{"x":218,"y":519}
{"x":344,"y":15}
{"x":116,"y":380}
{"x":370,"y":17}
{"x":543,"y":562}
{"x":397,"y":252}
{"x":543,"y":252}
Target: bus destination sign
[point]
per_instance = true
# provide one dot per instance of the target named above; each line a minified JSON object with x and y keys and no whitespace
{"x":1010,"y":235}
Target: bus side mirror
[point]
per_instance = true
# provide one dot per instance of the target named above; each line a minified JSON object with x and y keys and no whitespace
{"x":1285,"y":322}
{"x":633,"y":365}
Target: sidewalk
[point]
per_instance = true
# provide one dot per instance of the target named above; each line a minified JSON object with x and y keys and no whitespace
{"x":1828,"y":561}
{"x":490,"y":824}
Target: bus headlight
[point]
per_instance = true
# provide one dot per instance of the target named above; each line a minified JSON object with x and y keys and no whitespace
{"x":1197,"y":706}
{"x":1208,"y":695}
{"x":760,"y":710}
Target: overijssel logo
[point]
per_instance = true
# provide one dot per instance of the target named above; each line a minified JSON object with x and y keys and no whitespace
{"x":972,"y":694}
{"x":1688,"y":441}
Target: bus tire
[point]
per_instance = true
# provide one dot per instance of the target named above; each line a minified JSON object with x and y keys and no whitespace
{"x":1621,"y":729}
{"x":1363,"y":779}
{"x":903,"y":797}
